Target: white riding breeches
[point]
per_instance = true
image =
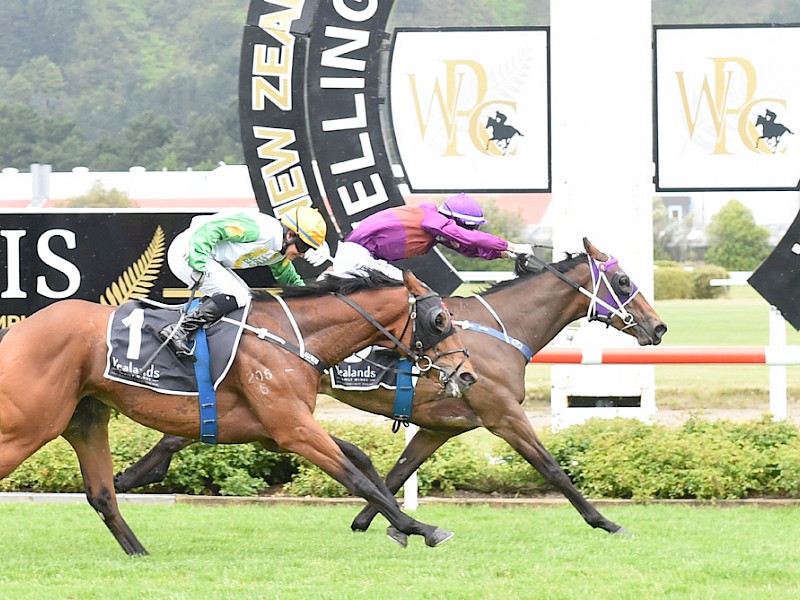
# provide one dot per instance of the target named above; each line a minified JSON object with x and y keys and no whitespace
{"x":218,"y":279}
{"x":352,"y":259}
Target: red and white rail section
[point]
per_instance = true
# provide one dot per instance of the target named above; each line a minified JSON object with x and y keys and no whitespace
{"x":676,"y":355}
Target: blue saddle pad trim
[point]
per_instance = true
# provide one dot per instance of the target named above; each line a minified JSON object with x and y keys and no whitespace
{"x":404,"y":392}
{"x":205,"y":389}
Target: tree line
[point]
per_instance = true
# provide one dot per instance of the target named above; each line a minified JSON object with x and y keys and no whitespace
{"x":110,"y":84}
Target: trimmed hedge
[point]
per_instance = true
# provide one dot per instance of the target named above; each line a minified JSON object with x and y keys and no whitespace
{"x":617,"y":458}
{"x":673,"y":282}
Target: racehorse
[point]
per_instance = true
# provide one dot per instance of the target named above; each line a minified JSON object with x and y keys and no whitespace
{"x":52,"y":383}
{"x":501,"y":133}
{"x":770,"y":130}
{"x":526,"y":312}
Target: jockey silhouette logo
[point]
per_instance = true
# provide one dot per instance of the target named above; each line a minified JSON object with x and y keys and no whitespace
{"x":501,"y":132}
{"x":771,"y":130}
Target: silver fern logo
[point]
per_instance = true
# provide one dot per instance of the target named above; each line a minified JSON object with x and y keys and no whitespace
{"x":138,"y":279}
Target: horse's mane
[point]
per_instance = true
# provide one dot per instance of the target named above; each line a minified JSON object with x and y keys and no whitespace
{"x":334,"y":284}
{"x":525,"y":270}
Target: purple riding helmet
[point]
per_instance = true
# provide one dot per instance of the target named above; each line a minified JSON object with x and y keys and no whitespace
{"x":464,"y":209}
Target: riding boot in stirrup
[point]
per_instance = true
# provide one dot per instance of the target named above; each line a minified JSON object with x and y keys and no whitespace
{"x":208,"y":312}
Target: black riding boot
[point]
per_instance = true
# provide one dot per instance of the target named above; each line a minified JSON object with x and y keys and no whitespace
{"x":208,"y":312}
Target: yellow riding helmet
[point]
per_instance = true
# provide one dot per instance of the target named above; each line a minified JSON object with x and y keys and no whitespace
{"x":307,"y":223}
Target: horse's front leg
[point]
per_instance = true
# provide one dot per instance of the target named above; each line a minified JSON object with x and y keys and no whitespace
{"x":153,"y":466}
{"x":87,"y":432}
{"x":306,"y":437}
{"x":514,"y":427}
{"x":422,"y":445}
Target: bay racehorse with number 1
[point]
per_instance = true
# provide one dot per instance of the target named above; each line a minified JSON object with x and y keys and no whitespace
{"x":503,"y":328}
{"x":52,"y":383}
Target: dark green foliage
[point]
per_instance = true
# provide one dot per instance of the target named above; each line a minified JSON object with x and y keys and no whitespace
{"x":101,"y":64}
{"x":701,"y":276}
{"x":146,"y":83}
{"x":702,"y":459}
{"x":617,"y":458}
{"x":672,"y":283}
{"x":735,"y":241}
{"x":240,"y":470}
{"x":98,"y":197}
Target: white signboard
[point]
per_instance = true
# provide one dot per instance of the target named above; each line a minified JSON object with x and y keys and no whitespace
{"x":727,"y":106}
{"x":470,"y":108}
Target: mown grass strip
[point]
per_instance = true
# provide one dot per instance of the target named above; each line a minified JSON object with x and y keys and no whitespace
{"x":52,"y":551}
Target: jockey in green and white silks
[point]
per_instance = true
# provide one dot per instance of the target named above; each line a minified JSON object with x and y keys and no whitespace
{"x":204,"y":256}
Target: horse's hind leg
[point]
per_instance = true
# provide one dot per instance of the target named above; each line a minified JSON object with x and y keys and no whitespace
{"x":153,"y":466}
{"x":14,"y":449}
{"x":310,"y":440}
{"x":87,"y":432}
{"x":364,"y":464}
{"x":422,"y":445}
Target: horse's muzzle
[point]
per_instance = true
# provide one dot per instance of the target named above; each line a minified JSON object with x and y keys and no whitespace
{"x":455,"y":386}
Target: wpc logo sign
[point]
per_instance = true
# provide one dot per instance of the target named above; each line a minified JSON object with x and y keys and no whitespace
{"x":727,"y":102}
{"x":470,"y":108}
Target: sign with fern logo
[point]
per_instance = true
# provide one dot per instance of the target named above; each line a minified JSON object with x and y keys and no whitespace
{"x":138,"y":279}
{"x":105,"y":257}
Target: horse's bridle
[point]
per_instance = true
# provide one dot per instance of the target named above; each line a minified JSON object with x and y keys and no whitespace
{"x":608,"y":276}
{"x":430,"y":323}
{"x":620,"y":290}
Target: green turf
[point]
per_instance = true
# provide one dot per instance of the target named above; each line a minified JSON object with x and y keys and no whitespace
{"x":58,"y":551}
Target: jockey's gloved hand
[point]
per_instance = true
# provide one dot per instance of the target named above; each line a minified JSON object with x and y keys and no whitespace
{"x":520,"y":249}
{"x":317,"y":257}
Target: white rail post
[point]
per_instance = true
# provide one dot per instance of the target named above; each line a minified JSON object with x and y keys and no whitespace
{"x":778,"y":403}
{"x":410,"y":487}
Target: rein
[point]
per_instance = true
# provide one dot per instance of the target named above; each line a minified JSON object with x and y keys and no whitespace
{"x":371,"y":320}
{"x":599,"y":272}
{"x":421,"y":340}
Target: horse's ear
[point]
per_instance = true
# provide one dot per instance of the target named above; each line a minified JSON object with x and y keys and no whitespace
{"x":592,"y":251}
{"x":412,"y":283}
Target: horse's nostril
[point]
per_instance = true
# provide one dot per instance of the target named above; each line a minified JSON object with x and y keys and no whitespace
{"x":467,"y":378}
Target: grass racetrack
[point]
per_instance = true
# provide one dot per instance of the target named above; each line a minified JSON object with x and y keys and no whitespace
{"x":64,"y":551}
{"x":677,"y":550}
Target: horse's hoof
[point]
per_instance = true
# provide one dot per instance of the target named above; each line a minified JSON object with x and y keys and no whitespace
{"x":438,"y":537}
{"x":622,"y":532}
{"x":357,"y":525}
{"x":397,"y":536}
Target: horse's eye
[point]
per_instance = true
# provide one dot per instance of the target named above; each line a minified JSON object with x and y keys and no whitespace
{"x":622,"y":284}
{"x":442,"y":321}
